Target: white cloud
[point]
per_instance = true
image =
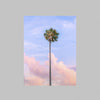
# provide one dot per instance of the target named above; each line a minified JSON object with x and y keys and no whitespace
{"x":39,"y":55}
{"x":29,"y":45}
{"x":69,"y":25}
{"x":39,"y":30}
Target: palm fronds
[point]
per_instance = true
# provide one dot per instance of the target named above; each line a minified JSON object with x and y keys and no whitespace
{"x":51,"y":35}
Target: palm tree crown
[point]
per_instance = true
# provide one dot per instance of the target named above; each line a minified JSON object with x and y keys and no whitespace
{"x":51,"y":35}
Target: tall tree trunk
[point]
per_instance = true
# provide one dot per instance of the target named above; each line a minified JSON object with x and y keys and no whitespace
{"x":50,"y":63}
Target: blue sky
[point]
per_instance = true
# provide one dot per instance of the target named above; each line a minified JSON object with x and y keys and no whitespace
{"x":35,"y":44}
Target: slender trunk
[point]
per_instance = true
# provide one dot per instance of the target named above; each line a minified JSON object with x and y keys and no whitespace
{"x":50,"y":63}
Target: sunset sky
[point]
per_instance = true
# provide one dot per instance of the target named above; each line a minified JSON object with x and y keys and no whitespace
{"x":36,"y":49}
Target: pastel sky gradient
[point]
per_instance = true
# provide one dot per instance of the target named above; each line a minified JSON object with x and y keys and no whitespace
{"x":36,"y":50}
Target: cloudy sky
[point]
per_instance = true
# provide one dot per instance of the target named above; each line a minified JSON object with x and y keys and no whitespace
{"x":36,"y":50}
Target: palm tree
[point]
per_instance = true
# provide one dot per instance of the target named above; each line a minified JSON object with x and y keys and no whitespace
{"x":51,"y":35}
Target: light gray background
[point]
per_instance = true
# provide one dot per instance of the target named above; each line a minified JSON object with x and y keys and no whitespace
{"x":11,"y":49}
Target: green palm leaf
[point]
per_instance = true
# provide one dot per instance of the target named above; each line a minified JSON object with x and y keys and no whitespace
{"x":51,"y":35}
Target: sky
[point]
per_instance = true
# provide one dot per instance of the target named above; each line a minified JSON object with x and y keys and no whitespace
{"x":36,"y":50}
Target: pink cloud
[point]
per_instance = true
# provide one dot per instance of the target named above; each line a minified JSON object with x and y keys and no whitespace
{"x":33,"y":81}
{"x":67,"y":76}
{"x":35,"y":67}
{"x":61,"y":74}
